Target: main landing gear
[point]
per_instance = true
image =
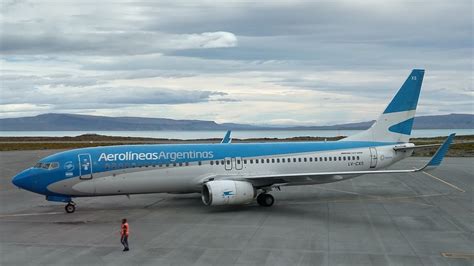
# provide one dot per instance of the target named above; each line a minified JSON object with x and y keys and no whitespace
{"x":70,"y":207}
{"x":265,"y":200}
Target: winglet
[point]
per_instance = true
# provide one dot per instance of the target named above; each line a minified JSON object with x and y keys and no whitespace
{"x":440,"y":153}
{"x":227,"y":138}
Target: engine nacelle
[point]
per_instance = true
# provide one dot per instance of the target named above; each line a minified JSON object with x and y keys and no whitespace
{"x":227,"y":192}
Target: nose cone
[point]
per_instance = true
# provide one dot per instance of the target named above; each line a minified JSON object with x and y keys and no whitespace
{"x":23,"y":180}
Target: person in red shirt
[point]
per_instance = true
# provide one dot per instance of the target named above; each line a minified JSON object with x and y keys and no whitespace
{"x":124,"y":235}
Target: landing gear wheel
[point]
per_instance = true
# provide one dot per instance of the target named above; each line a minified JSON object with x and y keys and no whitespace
{"x":70,"y":207}
{"x":265,"y":200}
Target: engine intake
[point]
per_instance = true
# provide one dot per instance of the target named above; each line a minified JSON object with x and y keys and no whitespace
{"x":227,"y":192}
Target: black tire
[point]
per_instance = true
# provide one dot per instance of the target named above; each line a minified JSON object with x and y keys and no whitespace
{"x":260,"y":199}
{"x":265,"y":200}
{"x":268,"y":200}
{"x":70,"y":208}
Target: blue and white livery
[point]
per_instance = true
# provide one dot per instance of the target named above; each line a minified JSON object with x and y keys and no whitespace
{"x":232,"y":173}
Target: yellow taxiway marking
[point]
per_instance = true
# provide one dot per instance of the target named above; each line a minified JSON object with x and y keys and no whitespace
{"x":28,"y":214}
{"x":456,"y":255}
{"x":376,"y":199}
{"x":445,"y":182}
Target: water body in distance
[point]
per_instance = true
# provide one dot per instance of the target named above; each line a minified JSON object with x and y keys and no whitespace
{"x":420,"y":133}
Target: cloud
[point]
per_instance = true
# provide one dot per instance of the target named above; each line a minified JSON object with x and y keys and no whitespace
{"x":252,"y":62}
{"x":208,"y":40}
{"x":107,"y":96}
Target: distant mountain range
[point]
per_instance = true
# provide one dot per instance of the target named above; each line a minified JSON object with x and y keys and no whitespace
{"x":73,"y":122}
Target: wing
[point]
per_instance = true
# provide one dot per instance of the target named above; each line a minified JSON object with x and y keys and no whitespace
{"x":227,"y":138}
{"x":327,"y":177}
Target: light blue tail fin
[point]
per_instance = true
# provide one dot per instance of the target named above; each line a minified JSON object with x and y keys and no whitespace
{"x":396,"y":122}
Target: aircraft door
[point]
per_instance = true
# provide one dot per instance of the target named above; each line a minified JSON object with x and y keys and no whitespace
{"x":228,"y":163}
{"x":373,"y":157}
{"x":85,"y":166}
{"x":238,"y":163}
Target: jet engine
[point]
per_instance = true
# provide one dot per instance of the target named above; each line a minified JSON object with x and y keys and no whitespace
{"x":227,"y":192}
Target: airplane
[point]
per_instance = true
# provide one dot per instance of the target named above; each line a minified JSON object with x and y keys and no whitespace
{"x":232,"y":173}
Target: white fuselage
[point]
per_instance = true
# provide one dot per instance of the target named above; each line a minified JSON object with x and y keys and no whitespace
{"x":188,"y":178}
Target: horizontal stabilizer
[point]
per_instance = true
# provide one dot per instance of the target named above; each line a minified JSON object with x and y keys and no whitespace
{"x":417,"y":147}
{"x":440,"y":153}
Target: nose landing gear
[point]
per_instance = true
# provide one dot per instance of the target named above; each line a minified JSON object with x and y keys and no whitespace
{"x":70,"y":207}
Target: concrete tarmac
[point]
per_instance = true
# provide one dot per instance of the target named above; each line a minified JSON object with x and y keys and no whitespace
{"x":398,"y":219}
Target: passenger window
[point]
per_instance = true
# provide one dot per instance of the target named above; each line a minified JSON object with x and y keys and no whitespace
{"x":238,"y":161}
{"x":340,"y":158}
{"x":228,"y":162}
{"x":180,"y":164}
{"x":325,"y":159}
{"x":245,"y":161}
{"x":304,"y":159}
{"x":330,"y":159}
{"x":311,"y":159}
{"x":251,"y":161}
{"x":353,"y":158}
{"x":273,"y":160}
{"x":256,"y":160}
{"x":294,"y":160}
{"x":212,"y":162}
{"x":217,"y":162}
{"x":199,"y":163}
{"x":278,"y":160}
{"x":107,"y":166}
{"x":358,"y":158}
{"x":160,"y":165}
{"x":283,"y":160}
{"x":262,"y":161}
{"x":315,"y":159}
{"x":167,"y":165}
{"x":268,"y":160}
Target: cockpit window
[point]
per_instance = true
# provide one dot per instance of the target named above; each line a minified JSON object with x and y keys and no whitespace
{"x":54,"y":165}
{"x":48,"y":166}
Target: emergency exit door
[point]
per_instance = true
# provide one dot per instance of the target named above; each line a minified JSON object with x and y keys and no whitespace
{"x":228,"y":163}
{"x":239,"y":164}
{"x":85,"y":166}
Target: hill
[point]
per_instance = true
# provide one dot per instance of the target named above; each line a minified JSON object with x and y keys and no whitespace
{"x":73,"y":122}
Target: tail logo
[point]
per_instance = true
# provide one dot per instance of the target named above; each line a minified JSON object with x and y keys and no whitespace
{"x":402,"y":127}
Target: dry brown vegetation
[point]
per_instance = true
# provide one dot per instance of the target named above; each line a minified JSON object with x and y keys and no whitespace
{"x":463,"y":146}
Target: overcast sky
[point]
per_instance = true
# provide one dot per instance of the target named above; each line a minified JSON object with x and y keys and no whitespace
{"x":270,"y":62}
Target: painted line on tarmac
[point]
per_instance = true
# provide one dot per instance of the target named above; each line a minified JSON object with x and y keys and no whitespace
{"x":375,"y":199}
{"x":28,"y":214}
{"x":457,"y":255}
{"x":343,"y":191}
{"x":445,"y":182}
